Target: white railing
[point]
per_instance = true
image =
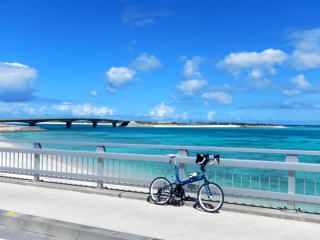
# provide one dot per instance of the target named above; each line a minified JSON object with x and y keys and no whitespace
{"x":290,"y":180}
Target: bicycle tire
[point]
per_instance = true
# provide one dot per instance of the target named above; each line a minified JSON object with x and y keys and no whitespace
{"x":156,"y":193}
{"x":210,"y":204}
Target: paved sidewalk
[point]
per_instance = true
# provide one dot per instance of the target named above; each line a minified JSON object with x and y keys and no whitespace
{"x":143,"y":218}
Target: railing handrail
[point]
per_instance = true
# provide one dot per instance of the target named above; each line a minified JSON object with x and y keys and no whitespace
{"x":176,"y":147}
{"x":261,"y":164}
{"x":78,"y":165}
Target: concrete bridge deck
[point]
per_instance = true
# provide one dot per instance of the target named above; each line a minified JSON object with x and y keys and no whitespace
{"x":67,"y":120}
{"x":143,"y":218}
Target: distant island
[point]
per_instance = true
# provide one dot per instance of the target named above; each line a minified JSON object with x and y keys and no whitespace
{"x":206,"y":124}
{"x":23,"y":128}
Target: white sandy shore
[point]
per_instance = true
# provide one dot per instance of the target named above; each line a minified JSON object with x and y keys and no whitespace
{"x":219,"y":126}
{"x":19,"y":128}
{"x":202,"y":126}
{"x":177,"y":126}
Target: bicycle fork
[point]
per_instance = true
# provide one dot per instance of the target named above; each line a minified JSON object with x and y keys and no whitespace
{"x":208,"y":191}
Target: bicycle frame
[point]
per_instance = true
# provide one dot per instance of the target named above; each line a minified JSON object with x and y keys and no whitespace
{"x":192,"y":180}
{"x":195,"y":179}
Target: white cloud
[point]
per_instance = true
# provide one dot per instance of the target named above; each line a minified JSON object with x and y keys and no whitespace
{"x":85,"y":109}
{"x":220,"y":97}
{"x":131,"y":45}
{"x":161,"y":110}
{"x":146,"y":62}
{"x":300,"y":82}
{"x":93,"y":93}
{"x":118,"y":76}
{"x":20,"y":110}
{"x":30,"y":110}
{"x":16,"y":81}
{"x":291,"y":91}
{"x":191,"y":67}
{"x":257,"y":62}
{"x":211,"y":115}
{"x":190,"y":86}
{"x":143,"y":22}
{"x":137,"y":18}
{"x":111,"y":90}
{"x":256,"y":73}
{"x":307,"y":49}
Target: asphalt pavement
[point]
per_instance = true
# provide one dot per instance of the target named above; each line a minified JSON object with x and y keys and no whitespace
{"x":143,"y":218}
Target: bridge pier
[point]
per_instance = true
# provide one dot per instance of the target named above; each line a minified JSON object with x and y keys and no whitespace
{"x":32,"y":124}
{"x":114,"y":124}
{"x":94,"y":124}
{"x":68,"y":124}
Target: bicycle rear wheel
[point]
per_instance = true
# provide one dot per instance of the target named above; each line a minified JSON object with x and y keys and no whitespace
{"x":210,"y":197}
{"x":160,"y":190}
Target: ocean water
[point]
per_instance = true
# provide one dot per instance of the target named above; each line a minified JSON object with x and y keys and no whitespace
{"x":303,"y":138}
{"x":300,"y":138}
{"x":297,"y":138}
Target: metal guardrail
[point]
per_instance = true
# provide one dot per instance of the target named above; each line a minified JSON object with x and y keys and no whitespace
{"x":268,"y":180}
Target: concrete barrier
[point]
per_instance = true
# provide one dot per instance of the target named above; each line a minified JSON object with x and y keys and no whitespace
{"x":61,"y":229}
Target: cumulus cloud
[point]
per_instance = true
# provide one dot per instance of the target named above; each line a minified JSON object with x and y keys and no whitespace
{"x":118,"y":76}
{"x":210,"y":115}
{"x":191,"y":71}
{"x":14,"y":110}
{"x":300,"y":82}
{"x":220,"y":97}
{"x":306,"y":54}
{"x":161,"y":110}
{"x":85,"y":109}
{"x":256,"y":62}
{"x":146,"y":62}
{"x":300,"y":85}
{"x":256,"y":73}
{"x":16,"y":82}
{"x":93,"y":93}
{"x":191,"y":67}
{"x":190,"y":86}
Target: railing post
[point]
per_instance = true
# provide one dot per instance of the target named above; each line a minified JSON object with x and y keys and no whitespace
{"x":182,"y":166}
{"x":36,"y":161}
{"x":100,"y":149}
{"x":291,"y":158}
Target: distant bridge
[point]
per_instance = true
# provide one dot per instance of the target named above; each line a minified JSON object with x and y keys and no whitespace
{"x":68,"y":121}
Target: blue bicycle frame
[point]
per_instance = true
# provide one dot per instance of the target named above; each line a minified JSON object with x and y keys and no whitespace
{"x":191,"y":180}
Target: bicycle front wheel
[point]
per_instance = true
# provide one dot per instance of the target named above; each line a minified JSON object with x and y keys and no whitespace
{"x":210,"y":197}
{"x":160,"y":190}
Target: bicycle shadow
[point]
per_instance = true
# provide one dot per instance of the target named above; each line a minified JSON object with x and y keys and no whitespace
{"x":188,"y":201}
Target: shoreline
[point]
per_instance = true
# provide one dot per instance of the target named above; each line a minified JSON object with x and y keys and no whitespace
{"x":24,"y":128}
{"x":221,"y":126}
{"x":19,"y":128}
{"x":177,"y":126}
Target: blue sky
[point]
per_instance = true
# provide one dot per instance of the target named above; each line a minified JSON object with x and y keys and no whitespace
{"x":165,"y":60}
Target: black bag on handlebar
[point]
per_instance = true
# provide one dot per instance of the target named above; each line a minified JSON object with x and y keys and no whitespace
{"x":201,"y":158}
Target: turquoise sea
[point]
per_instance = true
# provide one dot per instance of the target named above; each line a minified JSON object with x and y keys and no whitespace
{"x":298,"y":138}
{"x":304,"y":138}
